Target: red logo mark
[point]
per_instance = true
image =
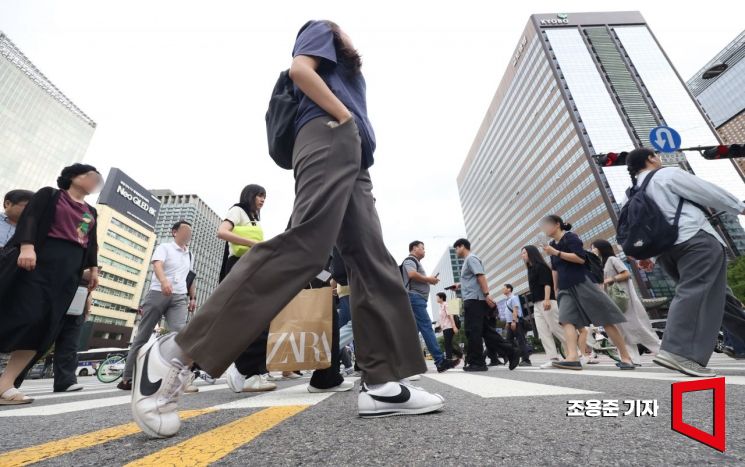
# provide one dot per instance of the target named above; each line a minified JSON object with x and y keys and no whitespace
{"x":718,"y":439}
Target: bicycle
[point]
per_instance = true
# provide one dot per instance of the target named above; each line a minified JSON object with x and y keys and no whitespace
{"x":598,"y":342}
{"x":111,"y":369}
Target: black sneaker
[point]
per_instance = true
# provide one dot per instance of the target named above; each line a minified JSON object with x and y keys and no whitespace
{"x":514,"y":360}
{"x":525,"y":363}
{"x":730,"y":352}
{"x":496,"y":362}
{"x":475,"y":368}
{"x":124,"y":385}
{"x":446,"y":365}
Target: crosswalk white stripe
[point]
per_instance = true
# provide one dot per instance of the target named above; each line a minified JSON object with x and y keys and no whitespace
{"x":77,"y":406}
{"x":736,"y":380}
{"x":489,"y":387}
{"x":46,"y":390}
{"x":55,"y":395}
{"x":294,"y":395}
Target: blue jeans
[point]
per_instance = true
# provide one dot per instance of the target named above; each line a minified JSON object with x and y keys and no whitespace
{"x":735,"y":342}
{"x":345,"y":322}
{"x":345,"y":313}
{"x":424,"y":324}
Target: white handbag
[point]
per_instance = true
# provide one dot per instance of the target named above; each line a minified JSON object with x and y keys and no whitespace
{"x":77,"y":307}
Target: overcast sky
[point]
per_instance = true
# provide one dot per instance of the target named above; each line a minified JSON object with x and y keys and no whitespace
{"x":179,"y":88}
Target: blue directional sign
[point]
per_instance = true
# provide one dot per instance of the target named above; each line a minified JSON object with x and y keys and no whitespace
{"x":664,"y":139}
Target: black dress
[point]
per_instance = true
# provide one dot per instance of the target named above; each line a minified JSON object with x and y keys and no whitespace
{"x":33,"y":308}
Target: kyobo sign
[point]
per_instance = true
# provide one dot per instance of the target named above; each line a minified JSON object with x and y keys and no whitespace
{"x":561,"y":18}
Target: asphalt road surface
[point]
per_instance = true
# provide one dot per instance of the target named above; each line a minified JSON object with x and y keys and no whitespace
{"x":494,"y":418}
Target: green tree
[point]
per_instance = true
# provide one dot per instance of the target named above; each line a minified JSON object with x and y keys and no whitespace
{"x":736,"y":277}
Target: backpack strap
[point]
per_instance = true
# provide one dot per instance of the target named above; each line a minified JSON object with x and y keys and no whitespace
{"x":403,"y":270}
{"x":676,"y":220}
{"x":646,"y":180}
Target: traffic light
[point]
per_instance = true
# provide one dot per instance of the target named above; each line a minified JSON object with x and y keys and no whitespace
{"x":612,"y":158}
{"x":724,"y":152}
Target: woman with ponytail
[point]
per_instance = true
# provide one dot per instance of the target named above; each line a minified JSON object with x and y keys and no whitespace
{"x":581,"y":302}
{"x":697,"y":261}
{"x":54,"y":242}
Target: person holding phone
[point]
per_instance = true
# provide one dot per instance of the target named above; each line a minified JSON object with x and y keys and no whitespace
{"x":417,"y":282}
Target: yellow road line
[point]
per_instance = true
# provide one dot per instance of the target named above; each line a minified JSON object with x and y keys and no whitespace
{"x":52,"y":449}
{"x":213,"y":445}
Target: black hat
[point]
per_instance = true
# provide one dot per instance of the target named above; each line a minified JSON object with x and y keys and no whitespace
{"x":64,"y":181}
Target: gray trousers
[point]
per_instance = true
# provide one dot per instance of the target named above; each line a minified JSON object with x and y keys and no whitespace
{"x":699,"y":268}
{"x":156,"y":306}
{"x":333,"y":205}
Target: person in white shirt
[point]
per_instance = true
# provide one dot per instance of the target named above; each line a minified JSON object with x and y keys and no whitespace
{"x":168,"y":296}
{"x":696,"y":262}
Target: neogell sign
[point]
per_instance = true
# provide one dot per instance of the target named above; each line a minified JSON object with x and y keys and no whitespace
{"x":129,"y":198}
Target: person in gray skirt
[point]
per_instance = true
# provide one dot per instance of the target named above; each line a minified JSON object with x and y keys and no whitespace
{"x":581,"y":302}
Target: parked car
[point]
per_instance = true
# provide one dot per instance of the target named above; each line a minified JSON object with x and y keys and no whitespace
{"x":86,"y":368}
{"x":36,"y":371}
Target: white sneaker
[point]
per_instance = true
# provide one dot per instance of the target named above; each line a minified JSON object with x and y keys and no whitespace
{"x":271,"y":377}
{"x":190,"y":387}
{"x":584,"y":360}
{"x":343,"y":387}
{"x":393,"y":399}
{"x":74,"y":387}
{"x":156,"y":387}
{"x":258,"y":383}
{"x":292,"y":375}
{"x":547,"y":365}
{"x":235,"y":379}
{"x":413,"y":378}
{"x":678,"y":363}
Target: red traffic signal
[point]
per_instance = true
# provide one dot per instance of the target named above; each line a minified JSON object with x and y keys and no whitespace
{"x":724,"y":152}
{"x":612,"y":158}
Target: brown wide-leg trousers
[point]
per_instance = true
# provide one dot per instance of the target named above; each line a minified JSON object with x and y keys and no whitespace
{"x":333,"y":205}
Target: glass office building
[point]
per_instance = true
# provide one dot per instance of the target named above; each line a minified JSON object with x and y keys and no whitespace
{"x":207,"y":249}
{"x":578,"y":84}
{"x":41,"y":130}
{"x":720,"y":89}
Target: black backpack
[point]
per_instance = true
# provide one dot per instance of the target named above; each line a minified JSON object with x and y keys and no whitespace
{"x":280,"y":121}
{"x":595,"y":267}
{"x":643,"y":231}
{"x":404,"y":276}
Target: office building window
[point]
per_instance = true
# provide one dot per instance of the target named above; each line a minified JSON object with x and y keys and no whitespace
{"x":122,"y":253}
{"x":118,"y":265}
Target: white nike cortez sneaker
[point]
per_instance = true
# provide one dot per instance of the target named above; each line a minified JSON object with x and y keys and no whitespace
{"x":258,"y":383}
{"x":393,"y":399}
{"x":235,"y":379}
{"x":156,"y":387}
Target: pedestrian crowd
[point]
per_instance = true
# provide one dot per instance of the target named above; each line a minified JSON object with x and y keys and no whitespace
{"x":380,"y":308}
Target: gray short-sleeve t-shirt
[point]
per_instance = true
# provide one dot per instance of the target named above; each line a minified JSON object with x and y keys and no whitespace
{"x":469,"y":282}
{"x":415,"y":286}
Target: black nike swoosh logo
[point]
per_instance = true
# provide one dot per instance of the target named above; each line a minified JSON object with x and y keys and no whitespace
{"x":404,"y":396}
{"x":147,"y":387}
